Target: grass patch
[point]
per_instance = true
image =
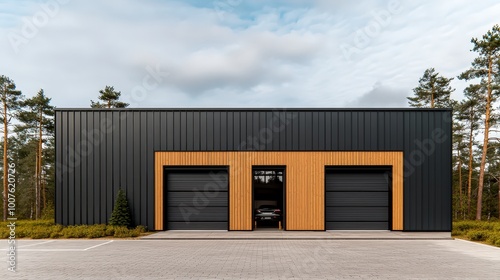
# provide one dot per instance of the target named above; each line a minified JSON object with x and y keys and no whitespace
{"x":48,"y":229}
{"x":482,"y":231}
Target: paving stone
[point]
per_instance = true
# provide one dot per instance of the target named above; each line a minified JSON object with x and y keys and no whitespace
{"x":258,"y":259}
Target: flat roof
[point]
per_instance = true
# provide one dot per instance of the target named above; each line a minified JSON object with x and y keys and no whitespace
{"x":253,"y":109}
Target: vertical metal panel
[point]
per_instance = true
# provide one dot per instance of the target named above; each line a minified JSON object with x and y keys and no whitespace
{"x":296,"y":131}
{"x":426,"y":181}
{"x":381,"y":127}
{"x":341,"y":131}
{"x":59,"y":167}
{"x":210,"y":131}
{"x":177,"y":130}
{"x":196,"y":131}
{"x":217,"y":131}
{"x":136,"y":158}
{"x":129,"y":147}
{"x":71,"y":181}
{"x":170,"y":130}
{"x":116,"y":158}
{"x":145,"y":149}
{"x":289,"y":132}
{"x":349,"y":128}
{"x":223,"y":132}
{"x":242,"y":130}
{"x":335,"y":131}
{"x":183,"y":130}
{"x":90,"y":169}
{"x":109,"y":127}
{"x":84,"y":165}
{"x":256,"y":140}
{"x":236,"y":130}
{"x":99,"y":167}
{"x":71,"y":177}
{"x":230,"y":134}
{"x":125,"y":160}
{"x":354,"y":131}
{"x":315,"y":131}
{"x":147,"y":196}
{"x":328,"y":130}
{"x":163,"y":130}
{"x":249,"y":139}
{"x":77,"y":171}
{"x":264,"y":135}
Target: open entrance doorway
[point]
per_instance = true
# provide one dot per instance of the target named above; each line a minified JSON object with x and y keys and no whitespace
{"x":268,"y":198}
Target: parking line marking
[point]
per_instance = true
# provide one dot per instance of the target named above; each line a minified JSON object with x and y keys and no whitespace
{"x":35,"y":244}
{"x":51,"y":250}
{"x":95,"y":246}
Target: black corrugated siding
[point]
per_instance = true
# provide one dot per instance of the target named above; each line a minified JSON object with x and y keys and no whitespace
{"x":99,"y":151}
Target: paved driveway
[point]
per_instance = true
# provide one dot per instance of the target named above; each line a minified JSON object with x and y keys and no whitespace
{"x":252,"y":259}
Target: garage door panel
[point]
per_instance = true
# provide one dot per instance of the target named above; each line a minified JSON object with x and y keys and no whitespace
{"x":357,"y":186}
{"x":192,"y":181}
{"x":205,"y":199}
{"x":192,"y":214}
{"x":362,"y":176}
{"x":196,"y":199}
{"x":357,"y":214}
{"x":197,"y":226}
{"x":357,"y":225}
{"x":357,"y":199}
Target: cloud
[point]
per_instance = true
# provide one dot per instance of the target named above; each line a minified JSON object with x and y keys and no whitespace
{"x":258,"y":53}
{"x":381,"y":96}
{"x":253,"y":59}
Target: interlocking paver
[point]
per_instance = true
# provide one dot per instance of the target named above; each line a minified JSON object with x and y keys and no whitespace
{"x":259,"y":259}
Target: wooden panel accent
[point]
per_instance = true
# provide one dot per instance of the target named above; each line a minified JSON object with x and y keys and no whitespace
{"x":305,"y":182}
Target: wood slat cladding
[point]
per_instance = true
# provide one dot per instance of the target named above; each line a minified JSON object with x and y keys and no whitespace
{"x":305,"y":182}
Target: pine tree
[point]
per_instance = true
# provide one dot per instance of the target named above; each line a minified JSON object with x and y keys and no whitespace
{"x":110,"y":99}
{"x":11,"y":101}
{"x":121,"y":213}
{"x":486,"y":68}
{"x":469,"y":114}
{"x":433,"y":91}
{"x":38,"y":119}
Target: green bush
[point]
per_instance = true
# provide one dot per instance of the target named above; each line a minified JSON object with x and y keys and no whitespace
{"x":95,"y":231}
{"x":40,"y":233}
{"x":48,"y":229}
{"x":483,"y":231}
{"x":121,"y":213}
{"x":478,"y":235}
{"x":48,"y":212}
{"x":122,"y":232}
{"x":110,"y":230}
{"x":74,"y":231}
{"x":141,"y":229}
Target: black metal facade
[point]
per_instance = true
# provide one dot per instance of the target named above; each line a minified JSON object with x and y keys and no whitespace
{"x":99,"y":151}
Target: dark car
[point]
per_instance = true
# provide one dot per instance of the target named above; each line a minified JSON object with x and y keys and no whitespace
{"x":268,"y":213}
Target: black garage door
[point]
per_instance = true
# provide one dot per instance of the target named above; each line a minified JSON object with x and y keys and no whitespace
{"x":196,"y":199}
{"x":357,"y":200}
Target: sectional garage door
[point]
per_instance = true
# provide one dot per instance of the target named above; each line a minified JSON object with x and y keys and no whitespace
{"x":357,"y":199}
{"x":196,"y":199}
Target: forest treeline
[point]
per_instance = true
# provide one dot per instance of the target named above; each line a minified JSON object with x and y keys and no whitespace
{"x":28,"y":137}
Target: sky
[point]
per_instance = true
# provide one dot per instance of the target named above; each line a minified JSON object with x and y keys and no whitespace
{"x":236,"y":53}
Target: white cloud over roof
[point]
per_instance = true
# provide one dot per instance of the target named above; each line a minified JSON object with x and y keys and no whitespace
{"x":237,"y":53}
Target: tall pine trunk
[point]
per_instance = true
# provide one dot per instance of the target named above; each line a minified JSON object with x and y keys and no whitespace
{"x":485,"y":142}
{"x":5,"y":163}
{"x":39,"y":169}
{"x":460,"y":184}
{"x":469,"y":183}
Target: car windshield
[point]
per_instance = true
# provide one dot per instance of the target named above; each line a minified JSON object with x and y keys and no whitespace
{"x":268,"y":207}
